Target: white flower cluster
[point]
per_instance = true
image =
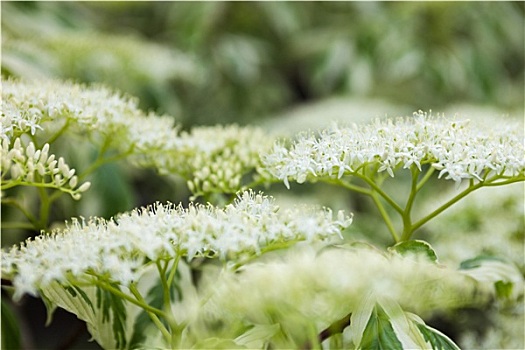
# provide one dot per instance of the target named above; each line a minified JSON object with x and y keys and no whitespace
{"x":325,"y":286}
{"x":30,"y":106}
{"x":459,"y":149}
{"x":118,"y":247}
{"x":215,"y":158}
{"x":210,"y":159}
{"x":29,"y":166}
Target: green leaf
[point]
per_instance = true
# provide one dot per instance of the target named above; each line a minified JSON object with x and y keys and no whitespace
{"x":436,"y":339}
{"x":81,"y":302}
{"x":379,"y":333}
{"x":217,"y":343}
{"x":10,"y":336}
{"x":478,"y":262}
{"x":85,"y":297}
{"x":50,"y":308}
{"x":143,"y":321}
{"x":506,"y":278}
{"x":504,"y":289}
{"x":360,"y":317}
{"x":114,"y":310}
{"x":415,"y":248}
{"x":71,"y":291}
{"x":257,"y":336}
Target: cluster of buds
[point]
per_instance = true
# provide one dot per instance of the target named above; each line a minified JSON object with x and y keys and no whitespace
{"x":215,"y":159}
{"x":29,"y":166}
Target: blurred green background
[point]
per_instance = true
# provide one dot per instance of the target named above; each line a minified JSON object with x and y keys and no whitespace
{"x":286,"y":66}
{"x":223,"y":62}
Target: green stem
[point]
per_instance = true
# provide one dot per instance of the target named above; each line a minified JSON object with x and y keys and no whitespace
{"x":153,"y":315}
{"x":385,"y":216}
{"x":379,"y":191}
{"x":176,"y":328}
{"x":58,"y":133}
{"x":100,"y":161}
{"x":139,"y":301}
{"x":445,"y":206}
{"x":165,"y":287}
{"x":506,"y":182}
{"x":10,"y":184}
{"x":173,"y":271}
{"x":27,"y":214}
{"x":348,"y":186}
{"x":407,"y":220}
{"x":264,"y":250}
{"x":18,"y":225}
{"x":425,"y":178}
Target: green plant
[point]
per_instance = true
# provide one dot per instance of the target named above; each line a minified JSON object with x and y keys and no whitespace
{"x":244,"y":273}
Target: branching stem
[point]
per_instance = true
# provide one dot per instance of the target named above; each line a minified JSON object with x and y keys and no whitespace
{"x":153,"y":315}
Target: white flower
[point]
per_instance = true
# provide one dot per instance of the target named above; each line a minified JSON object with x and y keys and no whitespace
{"x":459,"y":149}
{"x":118,"y":247}
{"x":214,"y":158}
{"x":34,"y":106}
{"x":323,"y":286}
{"x":210,"y":159}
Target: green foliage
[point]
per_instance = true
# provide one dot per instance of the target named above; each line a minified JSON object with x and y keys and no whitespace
{"x":11,"y":335}
{"x":436,"y":339}
{"x":379,"y":333}
{"x":417,"y":248}
{"x":247,"y":61}
{"x":114,"y":312}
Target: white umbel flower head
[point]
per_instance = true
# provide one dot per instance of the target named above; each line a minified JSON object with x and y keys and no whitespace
{"x":459,"y":149}
{"x":323,"y":286}
{"x":31,"y":107}
{"x":212,"y":159}
{"x":252,"y":224}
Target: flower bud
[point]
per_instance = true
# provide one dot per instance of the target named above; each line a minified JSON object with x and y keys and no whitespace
{"x":84,"y":187}
{"x":30,"y":150}
{"x":73,"y":181}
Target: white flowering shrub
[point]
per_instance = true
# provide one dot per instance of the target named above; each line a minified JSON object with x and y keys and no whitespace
{"x":35,"y":114}
{"x":244,"y":273}
{"x":484,"y":155}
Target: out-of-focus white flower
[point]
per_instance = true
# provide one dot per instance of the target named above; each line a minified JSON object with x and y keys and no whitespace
{"x":214,"y":158}
{"x":27,"y":166}
{"x":474,"y":232}
{"x":325,"y":286}
{"x":246,"y":227}
{"x":505,"y":331}
{"x":457,"y":148}
{"x":126,"y":61}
